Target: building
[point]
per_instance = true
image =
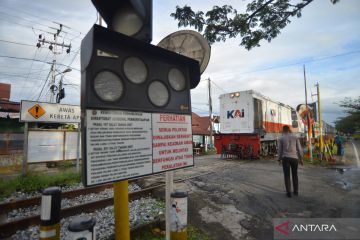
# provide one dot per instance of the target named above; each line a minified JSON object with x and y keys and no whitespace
{"x":8,"y":109}
{"x":201,"y":131}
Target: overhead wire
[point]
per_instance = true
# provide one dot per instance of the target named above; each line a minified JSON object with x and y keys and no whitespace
{"x":36,"y":60}
{"x":42,"y":89}
{"x":18,"y":43}
{"x":28,"y":74}
{"x":42,"y":18}
{"x":43,"y":66}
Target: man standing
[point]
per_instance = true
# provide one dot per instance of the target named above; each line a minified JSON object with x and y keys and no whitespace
{"x":290,"y":154}
{"x":339,"y":144}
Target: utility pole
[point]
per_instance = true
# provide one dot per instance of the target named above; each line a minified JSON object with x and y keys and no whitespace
{"x":308,"y":119}
{"x":53,"y":46}
{"x":321,"y":140}
{"x":210,"y":112}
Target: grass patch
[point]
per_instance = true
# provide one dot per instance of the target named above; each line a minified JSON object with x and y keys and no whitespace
{"x":36,"y":182}
{"x":211,"y":151}
{"x":192,"y":234}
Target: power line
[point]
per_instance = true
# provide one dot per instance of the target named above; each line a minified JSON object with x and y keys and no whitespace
{"x":23,"y":44}
{"x":36,"y":60}
{"x":41,"y":18}
{"x":27,"y":77}
{"x":218,"y":86}
{"x":47,"y":78}
{"x":32,"y":90}
{"x":303,"y":62}
{"x":24,"y":19}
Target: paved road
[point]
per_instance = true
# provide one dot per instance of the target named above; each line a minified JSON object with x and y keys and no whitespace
{"x":240,"y":199}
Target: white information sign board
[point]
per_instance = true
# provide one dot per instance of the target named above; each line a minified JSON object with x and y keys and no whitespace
{"x":122,"y":144}
{"x":49,"y":112}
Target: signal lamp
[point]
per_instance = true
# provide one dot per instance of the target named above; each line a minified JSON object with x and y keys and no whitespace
{"x":158,"y":93}
{"x":177,"y":79}
{"x":130,"y":17}
{"x":108,"y":86}
{"x":135,"y":70}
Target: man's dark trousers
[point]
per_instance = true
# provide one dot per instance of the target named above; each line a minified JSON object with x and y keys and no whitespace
{"x":293,"y":164}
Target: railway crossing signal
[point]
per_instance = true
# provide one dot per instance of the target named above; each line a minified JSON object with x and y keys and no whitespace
{"x":121,"y":70}
{"x":123,"y":73}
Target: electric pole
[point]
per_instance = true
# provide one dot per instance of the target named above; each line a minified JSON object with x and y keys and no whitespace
{"x":210,"y":112}
{"x":308,"y":120}
{"x":53,"y":46}
{"x":321,"y":140}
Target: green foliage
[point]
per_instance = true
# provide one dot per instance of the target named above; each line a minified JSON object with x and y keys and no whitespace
{"x":211,"y":151}
{"x":351,"y":122}
{"x":36,"y":182}
{"x":262,"y":20}
{"x":193,"y":234}
{"x":160,"y":204}
{"x":316,"y":162}
{"x":11,"y":126}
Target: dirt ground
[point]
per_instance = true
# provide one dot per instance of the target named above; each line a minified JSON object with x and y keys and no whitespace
{"x":238,"y":199}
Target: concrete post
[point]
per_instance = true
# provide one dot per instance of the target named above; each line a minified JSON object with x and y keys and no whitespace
{"x":178,"y":215}
{"x":82,"y":227}
{"x":50,"y":214}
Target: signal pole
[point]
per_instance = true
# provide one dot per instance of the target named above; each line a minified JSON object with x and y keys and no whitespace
{"x":53,"y":46}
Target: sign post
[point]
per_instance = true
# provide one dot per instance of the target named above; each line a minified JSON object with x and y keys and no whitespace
{"x":121,"y":210}
{"x":78,"y":149}
{"x":25,"y":157}
{"x":168,"y":190}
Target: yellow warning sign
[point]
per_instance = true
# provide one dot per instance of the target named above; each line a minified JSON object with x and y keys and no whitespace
{"x":36,"y":111}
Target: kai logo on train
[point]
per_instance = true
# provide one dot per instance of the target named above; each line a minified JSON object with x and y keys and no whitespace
{"x":235,"y":113}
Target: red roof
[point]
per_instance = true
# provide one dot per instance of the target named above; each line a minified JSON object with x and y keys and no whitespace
{"x":200,"y":125}
{"x":7,"y":106}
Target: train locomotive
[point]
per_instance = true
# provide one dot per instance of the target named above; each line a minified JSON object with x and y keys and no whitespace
{"x":251,"y":124}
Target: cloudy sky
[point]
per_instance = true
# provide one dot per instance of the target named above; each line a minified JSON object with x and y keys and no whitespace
{"x":326,"y":39}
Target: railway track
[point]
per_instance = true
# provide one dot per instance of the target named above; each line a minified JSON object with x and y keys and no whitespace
{"x":9,"y":228}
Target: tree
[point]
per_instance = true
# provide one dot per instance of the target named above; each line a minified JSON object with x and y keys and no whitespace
{"x":264,"y":19}
{"x":351,"y":122}
{"x":352,"y":106}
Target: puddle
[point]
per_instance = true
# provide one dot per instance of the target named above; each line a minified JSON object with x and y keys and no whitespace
{"x":340,"y":170}
{"x":344,"y":185}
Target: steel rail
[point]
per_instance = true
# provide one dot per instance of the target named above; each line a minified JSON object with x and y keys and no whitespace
{"x":9,"y":228}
